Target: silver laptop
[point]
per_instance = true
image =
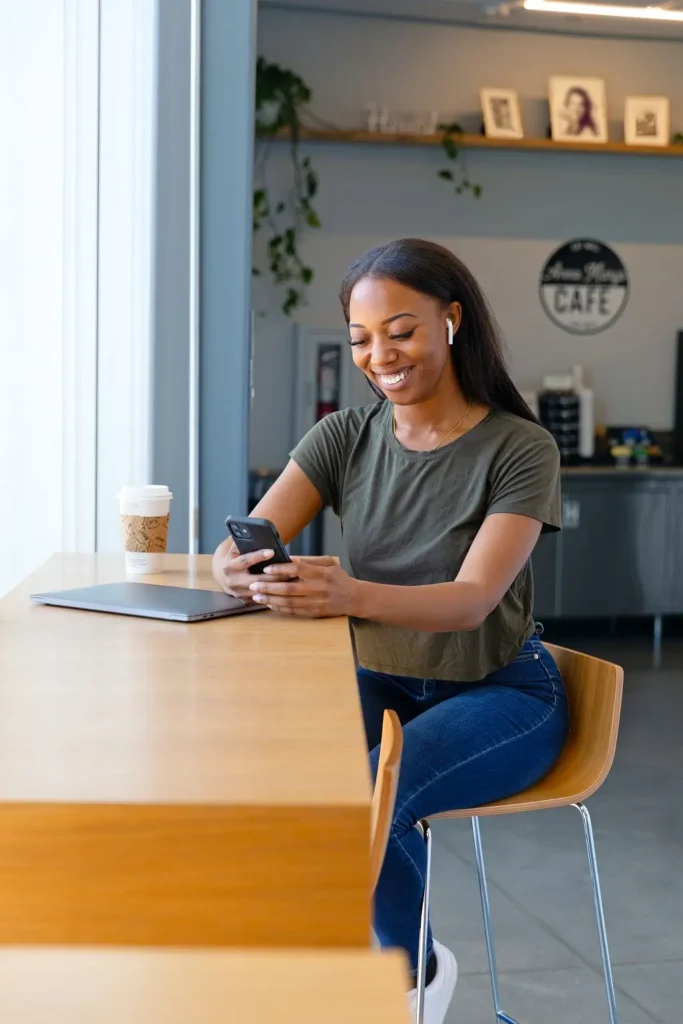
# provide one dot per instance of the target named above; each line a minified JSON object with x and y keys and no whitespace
{"x":150,"y":600}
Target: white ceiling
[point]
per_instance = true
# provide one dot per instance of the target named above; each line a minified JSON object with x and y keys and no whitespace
{"x":499,"y":14}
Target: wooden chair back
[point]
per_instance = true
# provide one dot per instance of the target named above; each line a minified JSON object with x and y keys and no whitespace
{"x":384,"y":796}
{"x":594,"y":690}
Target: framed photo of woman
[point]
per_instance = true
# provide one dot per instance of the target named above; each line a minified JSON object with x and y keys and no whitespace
{"x":578,"y":109}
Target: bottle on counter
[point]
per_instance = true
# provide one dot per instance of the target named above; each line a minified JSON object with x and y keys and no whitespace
{"x":621,"y":453}
{"x":559,"y":412}
{"x":566,"y":409}
{"x":586,"y":415}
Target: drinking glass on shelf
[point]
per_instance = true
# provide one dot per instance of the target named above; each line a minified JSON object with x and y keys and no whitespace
{"x":387,"y":121}
{"x":372,"y":117}
{"x":410,"y":123}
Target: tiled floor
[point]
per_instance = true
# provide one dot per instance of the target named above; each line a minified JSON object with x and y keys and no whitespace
{"x":546,"y":941}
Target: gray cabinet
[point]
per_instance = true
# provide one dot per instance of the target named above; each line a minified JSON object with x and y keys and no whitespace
{"x":620,"y":552}
{"x":675,"y":547}
{"x":614,"y":549}
{"x":545,"y":566}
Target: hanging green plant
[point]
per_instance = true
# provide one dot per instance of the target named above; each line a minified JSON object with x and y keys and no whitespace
{"x":280,"y":97}
{"x":454,"y":150}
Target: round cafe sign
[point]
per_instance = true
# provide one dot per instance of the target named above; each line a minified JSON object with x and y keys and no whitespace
{"x":584,"y":286}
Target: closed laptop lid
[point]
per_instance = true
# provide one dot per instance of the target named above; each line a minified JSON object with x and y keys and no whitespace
{"x":150,"y":600}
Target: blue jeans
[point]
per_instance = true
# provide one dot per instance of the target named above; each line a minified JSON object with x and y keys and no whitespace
{"x":464,"y":744}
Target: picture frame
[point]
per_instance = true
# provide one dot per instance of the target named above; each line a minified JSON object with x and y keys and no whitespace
{"x":501,"y":113}
{"x":647,"y":121}
{"x":578,"y":109}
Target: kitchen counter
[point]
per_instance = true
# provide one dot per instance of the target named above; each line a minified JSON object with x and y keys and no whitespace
{"x":624,"y":473}
{"x":620,"y":546}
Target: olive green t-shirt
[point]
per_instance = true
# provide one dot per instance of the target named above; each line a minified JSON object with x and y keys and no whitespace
{"x":409,"y":518}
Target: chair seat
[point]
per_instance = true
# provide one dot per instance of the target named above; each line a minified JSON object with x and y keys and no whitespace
{"x":594,"y":691}
{"x":560,"y":788}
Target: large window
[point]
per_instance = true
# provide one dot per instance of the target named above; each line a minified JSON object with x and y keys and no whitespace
{"x":32,"y":236}
{"x":77,"y":109}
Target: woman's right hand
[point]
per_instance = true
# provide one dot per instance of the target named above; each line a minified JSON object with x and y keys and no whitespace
{"x":231,"y":570}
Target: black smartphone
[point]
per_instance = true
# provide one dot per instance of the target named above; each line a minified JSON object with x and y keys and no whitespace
{"x":257,"y":535}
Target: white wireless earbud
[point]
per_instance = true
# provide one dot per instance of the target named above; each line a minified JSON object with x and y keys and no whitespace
{"x":449,"y":328}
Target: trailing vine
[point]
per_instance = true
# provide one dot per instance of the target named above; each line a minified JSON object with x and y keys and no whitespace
{"x":454,"y":150}
{"x":280,"y":97}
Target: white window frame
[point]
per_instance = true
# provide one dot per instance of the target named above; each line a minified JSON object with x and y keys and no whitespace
{"x":126,"y":271}
{"x":109,"y":195}
{"x":79,"y":371}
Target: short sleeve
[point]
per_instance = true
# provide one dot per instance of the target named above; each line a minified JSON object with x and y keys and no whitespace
{"x":321,"y":454}
{"x":528,"y":482}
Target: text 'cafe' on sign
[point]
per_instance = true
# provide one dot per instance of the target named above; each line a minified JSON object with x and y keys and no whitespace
{"x":584,"y":286}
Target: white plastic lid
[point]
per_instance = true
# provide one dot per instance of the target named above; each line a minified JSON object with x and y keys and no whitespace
{"x":558,"y":382}
{"x":148,"y":492}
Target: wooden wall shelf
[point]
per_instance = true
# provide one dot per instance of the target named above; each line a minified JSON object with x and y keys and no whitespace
{"x":481,"y":142}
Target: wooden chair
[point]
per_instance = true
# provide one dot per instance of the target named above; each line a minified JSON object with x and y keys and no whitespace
{"x":384,"y":795}
{"x":594,"y":689}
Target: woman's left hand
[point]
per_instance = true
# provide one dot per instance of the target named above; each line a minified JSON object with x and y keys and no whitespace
{"x":322,"y":589}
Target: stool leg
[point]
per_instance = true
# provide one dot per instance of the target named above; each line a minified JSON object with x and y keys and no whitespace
{"x":657,"y":643}
{"x":488,"y":927}
{"x":599,"y":912}
{"x":424,"y":923}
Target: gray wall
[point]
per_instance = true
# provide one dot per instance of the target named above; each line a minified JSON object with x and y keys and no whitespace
{"x":170,"y":436}
{"x":532,"y":201}
{"x":227,"y":86}
{"x":227,"y":144}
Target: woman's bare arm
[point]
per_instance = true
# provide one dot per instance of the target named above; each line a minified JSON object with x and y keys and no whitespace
{"x":291,"y":503}
{"x":497,"y":555}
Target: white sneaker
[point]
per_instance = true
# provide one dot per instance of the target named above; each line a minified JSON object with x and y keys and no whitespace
{"x":438,"y":995}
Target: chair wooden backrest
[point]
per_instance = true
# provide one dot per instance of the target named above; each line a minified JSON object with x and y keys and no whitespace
{"x":594,"y":688}
{"x":384,"y":796}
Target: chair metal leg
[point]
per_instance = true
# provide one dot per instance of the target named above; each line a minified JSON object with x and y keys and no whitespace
{"x":424,"y":924}
{"x":599,"y":912}
{"x":488,"y":927}
{"x":657,"y":643}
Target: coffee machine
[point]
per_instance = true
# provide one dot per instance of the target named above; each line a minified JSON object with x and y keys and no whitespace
{"x":565,"y":407}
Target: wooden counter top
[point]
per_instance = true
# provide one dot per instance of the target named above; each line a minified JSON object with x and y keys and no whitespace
{"x":211,"y":772}
{"x":246,"y":710}
{"x":201,"y":987}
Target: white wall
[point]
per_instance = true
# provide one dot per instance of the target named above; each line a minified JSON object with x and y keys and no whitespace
{"x":532,"y":201}
{"x":32,"y":72}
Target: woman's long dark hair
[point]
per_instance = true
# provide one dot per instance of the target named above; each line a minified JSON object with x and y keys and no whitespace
{"x":478,"y":348}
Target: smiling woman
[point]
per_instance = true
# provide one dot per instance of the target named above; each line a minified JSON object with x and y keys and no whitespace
{"x":442,"y":487}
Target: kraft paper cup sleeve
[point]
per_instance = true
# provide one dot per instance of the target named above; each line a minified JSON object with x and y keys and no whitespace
{"x":145,"y":533}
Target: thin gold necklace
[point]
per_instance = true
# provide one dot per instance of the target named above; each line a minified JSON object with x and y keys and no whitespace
{"x":446,"y":436}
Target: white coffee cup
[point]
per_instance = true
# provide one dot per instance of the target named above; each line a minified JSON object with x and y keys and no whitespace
{"x":144,"y":522}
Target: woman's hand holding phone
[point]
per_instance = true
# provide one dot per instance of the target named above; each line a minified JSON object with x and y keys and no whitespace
{"x":309,"y":587}
{"x":322,"y":589}
{"x":231,"y":570}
